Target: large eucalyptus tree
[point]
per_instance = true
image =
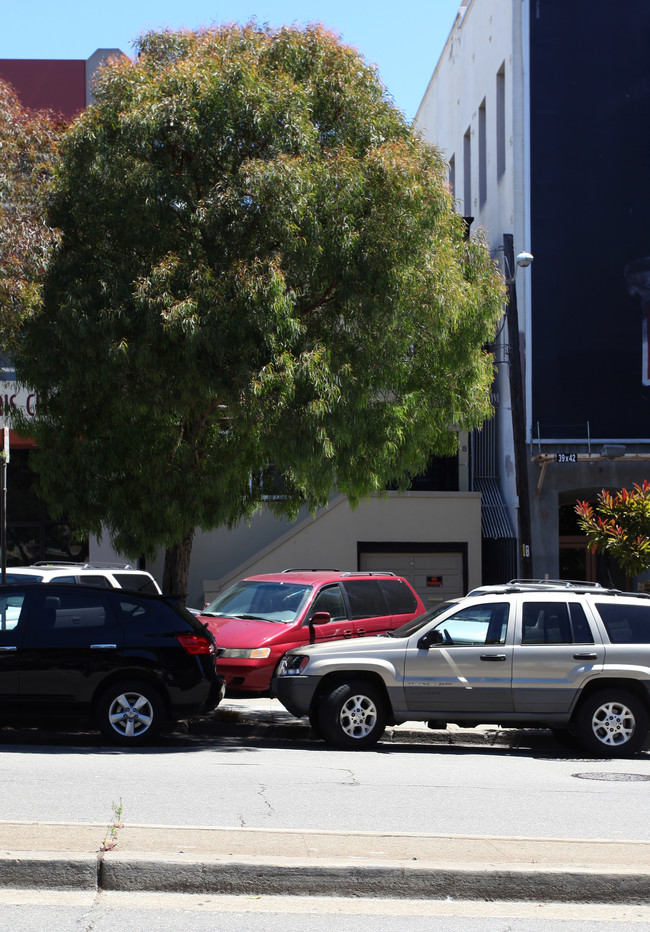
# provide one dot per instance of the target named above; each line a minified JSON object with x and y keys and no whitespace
{"x":260,"y":263}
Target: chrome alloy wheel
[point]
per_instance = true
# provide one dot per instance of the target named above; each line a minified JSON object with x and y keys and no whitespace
{"x":358,"y":716}
{"x":613,"y":724}
{"x":130,"y":714}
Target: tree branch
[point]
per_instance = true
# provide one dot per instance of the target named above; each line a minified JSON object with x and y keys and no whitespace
{"x":324,"y":298}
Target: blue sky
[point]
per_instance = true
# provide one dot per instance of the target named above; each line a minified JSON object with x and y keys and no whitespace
{"x":403,"y":39}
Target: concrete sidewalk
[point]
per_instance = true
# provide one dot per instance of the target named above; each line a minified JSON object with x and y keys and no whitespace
{"x":137,"y":858}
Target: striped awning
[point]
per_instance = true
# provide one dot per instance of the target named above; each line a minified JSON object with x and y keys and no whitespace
{"x":495,"y":519}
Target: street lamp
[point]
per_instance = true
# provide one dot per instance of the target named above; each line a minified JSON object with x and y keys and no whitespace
{"x":523,"y":260}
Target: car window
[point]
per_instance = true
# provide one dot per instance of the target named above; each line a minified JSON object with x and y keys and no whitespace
{"x":330,"y":599}
{"x":414,"y":624}
{"x":366,"y":598}
{"x":64,"y":579}
{"x":626,"y":624}
{"x":476,"y":625}
{"x":148,"y":616}
{"x":23,"y":577}
{"x":138,"y":582}
{"x":11,"y":605}
{"x":68,"y":610}
{"x":554,"y":623}
{"x":97,"y":580}
{"x":400,"y":598}
{"x":579,"y":625}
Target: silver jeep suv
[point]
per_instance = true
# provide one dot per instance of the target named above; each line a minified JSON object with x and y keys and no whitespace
{"x":573,"y":657}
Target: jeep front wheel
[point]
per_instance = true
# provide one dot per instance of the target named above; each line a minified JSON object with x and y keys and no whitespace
{"x":352,"y":715}
{"x":612,"y":722}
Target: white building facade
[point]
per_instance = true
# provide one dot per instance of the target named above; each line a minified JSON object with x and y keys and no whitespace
{"x":540,"y":108}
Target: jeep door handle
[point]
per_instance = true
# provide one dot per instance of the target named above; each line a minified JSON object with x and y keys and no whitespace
{"x":494,"y":657}
{"x":589,"y":655}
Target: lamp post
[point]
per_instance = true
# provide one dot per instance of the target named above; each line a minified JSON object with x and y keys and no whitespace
{"x":517,"y":405}
{"x":4,"y":458}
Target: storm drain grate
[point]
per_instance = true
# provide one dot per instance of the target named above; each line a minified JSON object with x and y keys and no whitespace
{"x":613,"y":777}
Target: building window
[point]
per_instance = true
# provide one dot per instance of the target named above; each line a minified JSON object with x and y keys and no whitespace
{"x":452,"y":176}
{"x":501,"y":120}
{"x":467,"y":172}
{"x":32,"y":534}
{"x":482,"y":154}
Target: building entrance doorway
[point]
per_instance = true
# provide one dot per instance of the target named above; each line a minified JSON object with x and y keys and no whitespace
{"x":578,"y":560}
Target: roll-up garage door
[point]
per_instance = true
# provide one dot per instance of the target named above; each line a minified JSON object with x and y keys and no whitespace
{"x":435,"y":576}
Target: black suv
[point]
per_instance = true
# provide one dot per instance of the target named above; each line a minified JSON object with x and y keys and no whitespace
{"x":131,"y":663}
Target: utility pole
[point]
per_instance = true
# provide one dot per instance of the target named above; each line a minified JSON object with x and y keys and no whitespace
{"x":4,"y":455}
{"x":518,"y":411}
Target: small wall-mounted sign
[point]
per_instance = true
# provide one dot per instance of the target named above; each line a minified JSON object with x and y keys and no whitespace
{"x":566,"y":457}
{"x":434,"y":581}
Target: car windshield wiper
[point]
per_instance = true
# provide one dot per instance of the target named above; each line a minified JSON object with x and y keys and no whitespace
{"x":249,"y":617}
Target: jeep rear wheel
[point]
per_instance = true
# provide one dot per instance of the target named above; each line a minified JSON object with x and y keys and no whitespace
{"x":352,"y":715}
{"x":612,"y":722}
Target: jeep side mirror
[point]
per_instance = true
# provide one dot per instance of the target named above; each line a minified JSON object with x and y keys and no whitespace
{"x":431,"y":639}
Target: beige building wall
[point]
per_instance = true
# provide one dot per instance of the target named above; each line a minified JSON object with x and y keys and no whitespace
{"x":412,"y":521}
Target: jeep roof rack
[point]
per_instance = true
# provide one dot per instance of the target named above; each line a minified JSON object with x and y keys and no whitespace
{"x":555,"y":583}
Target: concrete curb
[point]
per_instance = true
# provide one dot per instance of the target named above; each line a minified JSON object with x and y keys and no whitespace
{"x":344,"y":877}
{"x":49,"y":870}
{"x":247,"y":862}
{"x":287,"y":877}
{"x":266,"y":717}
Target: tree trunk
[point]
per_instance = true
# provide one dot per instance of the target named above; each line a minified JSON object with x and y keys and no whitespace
{"x":177,"y":566}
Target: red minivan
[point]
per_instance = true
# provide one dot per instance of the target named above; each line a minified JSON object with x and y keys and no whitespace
{"x":261,"y":617}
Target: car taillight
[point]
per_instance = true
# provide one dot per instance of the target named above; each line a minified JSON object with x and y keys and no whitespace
{"x":194,"y":644}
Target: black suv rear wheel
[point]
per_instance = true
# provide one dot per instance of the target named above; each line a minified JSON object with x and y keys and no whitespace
{"x":130,"y":712}
{"x":352,"y":715}
{"x":613,"y":721}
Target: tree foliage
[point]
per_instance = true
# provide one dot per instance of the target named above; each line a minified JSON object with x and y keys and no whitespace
{"x":28,"y":154}
{"x":260,"y":264}
{"x":620,"y":526}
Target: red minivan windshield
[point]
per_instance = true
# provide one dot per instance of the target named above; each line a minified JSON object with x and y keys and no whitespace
{"x":281,"y":602}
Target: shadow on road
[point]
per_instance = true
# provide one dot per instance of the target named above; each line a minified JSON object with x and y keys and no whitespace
{"x":249,"y":737}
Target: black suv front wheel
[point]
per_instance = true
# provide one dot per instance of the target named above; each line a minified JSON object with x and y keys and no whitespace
{"x":130,"y":712}
{"x":614,"y":722}
{"x":352,"y":715}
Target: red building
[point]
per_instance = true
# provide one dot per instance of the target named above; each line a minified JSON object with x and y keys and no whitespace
{"x":62,"y":85}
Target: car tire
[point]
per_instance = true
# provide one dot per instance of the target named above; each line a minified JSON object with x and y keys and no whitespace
{"x":352,"y":715}
{"x":130,"y":712}
{"x":612,"y":722}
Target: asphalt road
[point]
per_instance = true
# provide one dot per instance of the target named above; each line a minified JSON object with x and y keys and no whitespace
{"x":31,"y":911}
{"x":259,"y":773}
